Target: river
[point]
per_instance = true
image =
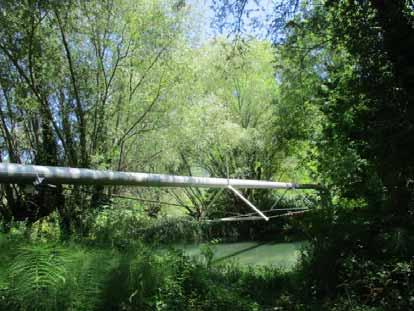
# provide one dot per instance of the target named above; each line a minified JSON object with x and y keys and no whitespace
{"x":283,"y":255}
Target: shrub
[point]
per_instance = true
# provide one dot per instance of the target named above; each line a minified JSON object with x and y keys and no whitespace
{"x":363,"y":256}
{"x":47,"y":276}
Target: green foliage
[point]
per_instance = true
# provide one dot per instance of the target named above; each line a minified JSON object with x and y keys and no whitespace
{"x":235,"y":125}
{"x":79,"y":85}
{"x":345,"y":65}
{"x":44,"y":276}
{"x":116,"y":84}
{"x":207,"y":252}
{"x":352,"y":254}
{"x":387,"y":286}
{"x":123,"y":225}
{"x":88,"y":271}
{"x":36,"y":276}
{"x":349,"y":255}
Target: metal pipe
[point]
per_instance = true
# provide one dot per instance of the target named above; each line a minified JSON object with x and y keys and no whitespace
{"x":19,"y":173}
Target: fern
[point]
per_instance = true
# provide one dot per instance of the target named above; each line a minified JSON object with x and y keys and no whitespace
{"x":36,"y":275}
{"x":89,"y":272}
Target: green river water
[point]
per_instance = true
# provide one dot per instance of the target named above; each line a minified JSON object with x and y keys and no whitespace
{"x":283,"y":255}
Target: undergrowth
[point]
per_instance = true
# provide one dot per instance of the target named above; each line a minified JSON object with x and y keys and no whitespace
{"x":353,"y":261}
{"x":44,"y":275}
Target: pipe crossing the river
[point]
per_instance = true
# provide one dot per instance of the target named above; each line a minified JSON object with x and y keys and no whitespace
{"x":19,"y":173}
{"x":27,"y":174}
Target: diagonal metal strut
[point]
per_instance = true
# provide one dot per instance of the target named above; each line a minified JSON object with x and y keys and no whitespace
{"x":248,"y":202}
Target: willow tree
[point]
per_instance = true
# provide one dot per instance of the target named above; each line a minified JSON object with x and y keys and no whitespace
{"x":361,"y":54}
{"x":65,"y":69}
{"x":230,"y":122}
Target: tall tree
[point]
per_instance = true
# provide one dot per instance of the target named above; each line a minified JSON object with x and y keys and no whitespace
{"x":359,"y":51}
{"x":66,"y":67}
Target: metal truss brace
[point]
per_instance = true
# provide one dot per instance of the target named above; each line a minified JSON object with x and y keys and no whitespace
{"x":250,"y":204}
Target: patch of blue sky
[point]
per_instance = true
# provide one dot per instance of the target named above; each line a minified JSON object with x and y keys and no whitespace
{"x":253,"y":23}
{"x":260,"y":19}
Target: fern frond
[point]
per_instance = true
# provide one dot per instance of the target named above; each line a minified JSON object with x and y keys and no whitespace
{"x":36,"y":275}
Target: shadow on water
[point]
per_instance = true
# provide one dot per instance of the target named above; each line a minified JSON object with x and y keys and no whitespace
{"x":265,"y":253}
{"x":240,"y":252}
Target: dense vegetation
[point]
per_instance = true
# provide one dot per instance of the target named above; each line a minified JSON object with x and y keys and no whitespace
{"x":303,"y":91}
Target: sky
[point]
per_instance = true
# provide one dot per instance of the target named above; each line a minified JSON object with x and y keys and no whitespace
{"x":262,"y":19}
{"x":204,"y":15}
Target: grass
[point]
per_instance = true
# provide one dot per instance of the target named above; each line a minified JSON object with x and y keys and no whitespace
{"x":49,"y":275}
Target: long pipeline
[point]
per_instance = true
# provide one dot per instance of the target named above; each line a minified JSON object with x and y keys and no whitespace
{"x":26,"y":174}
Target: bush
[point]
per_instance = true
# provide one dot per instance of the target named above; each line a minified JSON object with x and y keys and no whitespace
{"x":362,"y":256}
{"x":121,"y":226}
{"x":50,"y":276}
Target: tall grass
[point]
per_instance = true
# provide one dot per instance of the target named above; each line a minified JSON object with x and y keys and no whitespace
{"x":54,"y":276}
